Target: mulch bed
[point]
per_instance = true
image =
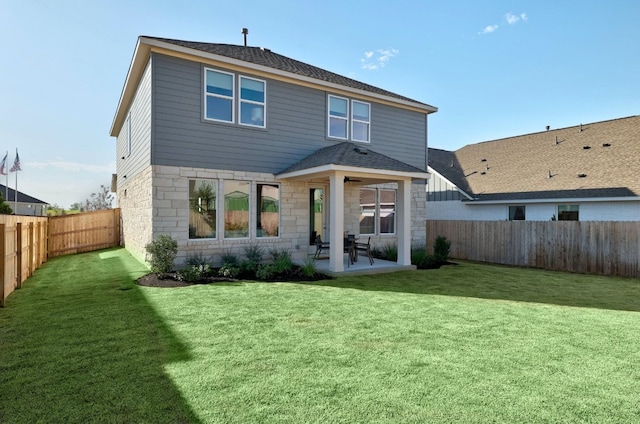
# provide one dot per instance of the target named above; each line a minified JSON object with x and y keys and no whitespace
{"x":152,"y":280}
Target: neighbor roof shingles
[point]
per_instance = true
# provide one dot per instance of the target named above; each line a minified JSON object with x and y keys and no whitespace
{"x":519,"y":167}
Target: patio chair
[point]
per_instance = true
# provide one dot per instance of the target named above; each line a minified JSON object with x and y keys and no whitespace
{"x":364,"y":247}
{"x":350,"y":249}
{"x":320,"y":246}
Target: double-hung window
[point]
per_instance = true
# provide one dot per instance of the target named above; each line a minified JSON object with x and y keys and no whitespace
{"x":377,"y":211}
{"x":219,"y":96}
{"x":338,"y":117}
{"x":252,"y":102}
{"x":349,"y":119}
{"x":360,"y":121}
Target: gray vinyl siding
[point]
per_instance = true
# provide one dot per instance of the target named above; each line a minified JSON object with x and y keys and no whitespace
{"x":130,"y":165}
{"x":295,"y":118}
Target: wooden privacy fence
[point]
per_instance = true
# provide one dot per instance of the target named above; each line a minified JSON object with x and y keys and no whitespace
{"x":593,"y":247}
{"x":26,"y":242}
{"x":83,"y":232}
{"x":23,"y":245}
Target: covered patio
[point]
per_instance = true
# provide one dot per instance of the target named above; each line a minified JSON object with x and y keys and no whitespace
{"x":336,"y":165}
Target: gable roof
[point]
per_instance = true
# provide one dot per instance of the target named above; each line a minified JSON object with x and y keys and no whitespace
{"x":597,"y":160}
{"x":256,"y":58}
{"x":22,"y":198}
{"x":350,"y":155}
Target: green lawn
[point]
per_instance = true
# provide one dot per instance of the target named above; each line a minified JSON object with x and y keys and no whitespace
{"x":80,"y":342}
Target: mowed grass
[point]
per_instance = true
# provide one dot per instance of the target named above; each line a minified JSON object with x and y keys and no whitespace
{"x":465,"y":343}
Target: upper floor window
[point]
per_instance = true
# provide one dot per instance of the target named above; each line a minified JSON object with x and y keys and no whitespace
{"x":219,"y":94}
{"x":338,"y":117}
{"x":360,"y":121}
{"x":348,"y":119}
{"x":221,"y":98}
{"x":252,"y":101}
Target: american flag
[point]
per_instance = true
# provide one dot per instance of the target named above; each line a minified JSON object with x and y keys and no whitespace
{"x":3,"y":165}
{"x":16,"y":164}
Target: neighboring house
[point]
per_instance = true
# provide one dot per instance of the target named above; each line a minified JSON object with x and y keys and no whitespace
{"x":26,"y":204}
{"x":224,"y":147}
{"x":588,"y":172}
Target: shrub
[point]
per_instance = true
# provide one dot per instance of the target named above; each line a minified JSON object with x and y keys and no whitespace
{"x":194,"y":273}
{"x":419,"y":256}
{"x":228,"y":271}
{"x":198,"y":259}
{"x":390,"y":252}
{"x":308,"y":269}
{"x":254,"y":253}
{"x":282,"y":262}
{"x":229,"y":259}
{"x":163,"y":251}
{"x":265,"y":272}
{"x":441,"y":249}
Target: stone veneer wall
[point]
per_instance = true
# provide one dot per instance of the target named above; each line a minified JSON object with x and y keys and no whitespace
{"x":171,"y":214}
{"x":148,"y":212}
{"x":135,"y":202}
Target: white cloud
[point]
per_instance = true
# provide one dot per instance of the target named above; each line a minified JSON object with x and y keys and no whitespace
{"x":514,"y":19}
{"x":489,"y":29}
{"x":377,"y":59}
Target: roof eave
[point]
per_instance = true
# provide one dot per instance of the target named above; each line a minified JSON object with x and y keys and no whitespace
{"x":554,"y":200}
{"x":325,"y":170}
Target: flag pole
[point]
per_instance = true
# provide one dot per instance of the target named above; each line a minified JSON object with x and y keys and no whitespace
{"x":6,"y":184}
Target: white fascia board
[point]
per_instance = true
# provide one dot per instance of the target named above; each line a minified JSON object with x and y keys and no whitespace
{"x":558,"y":200}
{"x":161,"y":44}
{"x":328,"y":169}
{"x":464,"y":193}
{"x":136,"y":68}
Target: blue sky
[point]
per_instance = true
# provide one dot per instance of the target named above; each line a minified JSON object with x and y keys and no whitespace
{"x":494,"y":69}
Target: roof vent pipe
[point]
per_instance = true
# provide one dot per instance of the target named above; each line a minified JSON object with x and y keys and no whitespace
{"x":556,"y":140}
{"x":245,"y":31}
{"x":580,"y":127}
{"x":548,"y":127}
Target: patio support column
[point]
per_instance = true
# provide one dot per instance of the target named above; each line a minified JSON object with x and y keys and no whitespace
{"x":336,"y":222}
{"x":404,"y":222}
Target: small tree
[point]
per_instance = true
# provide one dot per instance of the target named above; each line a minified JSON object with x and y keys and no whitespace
{"x":5,"y":209}
{"x":163,"y":251}
{"x":441,"y":249}
{"x":98,"y":201}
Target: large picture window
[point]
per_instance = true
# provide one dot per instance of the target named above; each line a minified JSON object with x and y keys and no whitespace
{"x":236,"y":209}
{"x":219,"y":95}
{"x":268,"y":208}
{"x":202,"y":209}
{"x":252,"y":102}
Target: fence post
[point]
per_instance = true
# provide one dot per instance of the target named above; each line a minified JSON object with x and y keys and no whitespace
{"x":116,"y":227}
{"x":19,"y":253}
{"x":3,"y":263}
{"x":30,"y":258}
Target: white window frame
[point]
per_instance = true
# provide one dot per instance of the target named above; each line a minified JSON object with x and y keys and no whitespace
{"x":395,"y":210}
{"x":241,"y":101}
{"x":375,"y":211}
{"x":329,"y":116}
{"x":216,"y":184}
{"x":279,"y":210}
{"x":354,"y":120}
{"x":224,"y":210}
{"x":232,"y":97}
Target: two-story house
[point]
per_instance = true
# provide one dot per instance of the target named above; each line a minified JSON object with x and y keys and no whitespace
{"x":224,"y":146}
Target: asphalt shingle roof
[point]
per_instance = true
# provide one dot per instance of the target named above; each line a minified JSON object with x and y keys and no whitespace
{"x":22,"y":198}
{"x":353,"y":155}
{"x":600,"y":159}
{"x":268,"y":58}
